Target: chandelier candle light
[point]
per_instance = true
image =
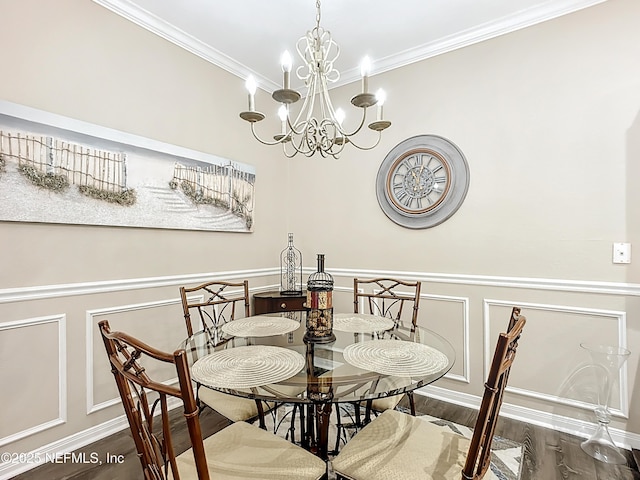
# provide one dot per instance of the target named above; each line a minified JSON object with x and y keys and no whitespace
{"x":309,"y":133}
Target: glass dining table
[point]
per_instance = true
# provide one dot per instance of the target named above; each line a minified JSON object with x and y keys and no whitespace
{"x":264,"y":357}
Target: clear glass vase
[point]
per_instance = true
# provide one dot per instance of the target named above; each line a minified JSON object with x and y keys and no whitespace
{"x":607,"y":361}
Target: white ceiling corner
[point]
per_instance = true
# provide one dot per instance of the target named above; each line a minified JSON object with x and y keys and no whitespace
{"x":247,"y":36}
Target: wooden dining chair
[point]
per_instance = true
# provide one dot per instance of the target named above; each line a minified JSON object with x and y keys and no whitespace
{"x":387,"y":297}
{"x":395,"y":299}
{"x":239,"y":451}
{"x":398,"y":445}
{"x":211,"y":305}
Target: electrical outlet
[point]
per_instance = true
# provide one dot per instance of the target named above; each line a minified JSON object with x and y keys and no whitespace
{"x":621,"y":253}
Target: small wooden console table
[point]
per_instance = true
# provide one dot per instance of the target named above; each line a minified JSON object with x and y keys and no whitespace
{"x":275,"y":302}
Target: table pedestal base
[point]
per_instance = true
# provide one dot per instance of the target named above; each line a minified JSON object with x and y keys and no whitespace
{"x":316,"y":436}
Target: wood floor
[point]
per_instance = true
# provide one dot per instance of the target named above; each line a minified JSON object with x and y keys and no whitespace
{"x":548,"y":455}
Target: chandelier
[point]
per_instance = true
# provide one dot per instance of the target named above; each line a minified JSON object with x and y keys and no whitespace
{"x":318,"y":126}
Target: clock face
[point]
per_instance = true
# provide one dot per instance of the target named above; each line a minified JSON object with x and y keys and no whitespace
{"x":418,"y":181}
{"x":422,"y":181}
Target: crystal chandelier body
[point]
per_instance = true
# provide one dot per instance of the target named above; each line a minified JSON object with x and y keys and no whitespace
{"x":318,"y":126}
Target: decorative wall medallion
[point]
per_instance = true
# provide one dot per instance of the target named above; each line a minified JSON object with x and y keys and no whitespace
{"x":422,"y":181}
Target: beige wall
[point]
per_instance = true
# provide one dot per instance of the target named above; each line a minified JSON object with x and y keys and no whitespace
{"x":547,"y":118}
{"x":543,"y":116}
{"x":77,"y":59}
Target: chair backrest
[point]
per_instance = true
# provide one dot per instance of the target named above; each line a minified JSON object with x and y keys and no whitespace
{"x":130,"y":361}
{"x":387,"y":297}
{"x":479,"y":454}
{"x":214,"y":305}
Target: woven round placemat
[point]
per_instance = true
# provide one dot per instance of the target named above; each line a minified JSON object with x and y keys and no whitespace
{"x":396,"y":357}
{"x":361,"y":323}
{"x":260,"y":326}
{"x":247,"y":366}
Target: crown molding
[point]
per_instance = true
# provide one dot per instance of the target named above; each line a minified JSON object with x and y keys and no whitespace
{"x":154,"y":24}
{"x":550,"y":10}
{"x":486,"y":31}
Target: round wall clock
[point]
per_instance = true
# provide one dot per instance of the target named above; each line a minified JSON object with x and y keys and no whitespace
{"x":422,"y":181}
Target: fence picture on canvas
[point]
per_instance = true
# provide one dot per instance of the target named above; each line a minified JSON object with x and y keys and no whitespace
{"x":46,"y":177}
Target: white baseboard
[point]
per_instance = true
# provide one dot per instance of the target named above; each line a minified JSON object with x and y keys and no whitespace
{"x":64,"y":445}
{"x":568,"y":425}
{"x":70,"y":444}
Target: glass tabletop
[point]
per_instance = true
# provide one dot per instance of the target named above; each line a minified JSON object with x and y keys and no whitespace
{"x":358,"y":365}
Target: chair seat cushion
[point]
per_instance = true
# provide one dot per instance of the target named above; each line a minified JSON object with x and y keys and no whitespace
{"x":387,"y":384}
{"x":245,"y":451}
{"x":382,"y":385}
{"x":399,"y":446}
{"x":236,"y":409}
{"x":386,"y":403}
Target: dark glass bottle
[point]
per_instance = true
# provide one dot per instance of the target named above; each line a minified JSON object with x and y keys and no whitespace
{"x":320,"y":306}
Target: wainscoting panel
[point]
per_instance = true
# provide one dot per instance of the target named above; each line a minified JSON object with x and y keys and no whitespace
{"x":562,"y":376}
{"x":32,"y":383}
{"x":455,"y":329}
{"x":160,"y":324}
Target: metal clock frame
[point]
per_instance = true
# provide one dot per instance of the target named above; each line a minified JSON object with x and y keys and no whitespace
{"x":454,"y":190}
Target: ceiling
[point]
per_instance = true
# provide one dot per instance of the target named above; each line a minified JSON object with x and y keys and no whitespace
{"x":248,"y":36}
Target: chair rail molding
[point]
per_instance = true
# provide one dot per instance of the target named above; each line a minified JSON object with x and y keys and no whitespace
{"x":19,"y":294}
{"x":578,"y":286}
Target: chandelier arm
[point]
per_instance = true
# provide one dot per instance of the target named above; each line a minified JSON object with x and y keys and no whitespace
{"x":336,"y":154}
{"x":357,"y":130}
{"x":306,"y":109}
{"x":359,"y":147}
{"x":311,"y":136}
{"x":303,"y":146}
{"x":327,"y":100}
{"x":297,"y":127}
{"x":286,"y":153}
{"x":311,"y":97}
{"x":326,"y":103}
{"x":264,"y":142}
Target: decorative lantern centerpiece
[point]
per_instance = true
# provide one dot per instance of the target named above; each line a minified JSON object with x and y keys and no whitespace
{"x":291,"y":270}
{"x":319,"y":306}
